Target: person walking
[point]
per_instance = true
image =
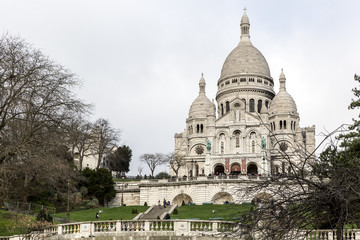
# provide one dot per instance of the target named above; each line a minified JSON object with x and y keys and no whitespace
{"x":97,"y":216}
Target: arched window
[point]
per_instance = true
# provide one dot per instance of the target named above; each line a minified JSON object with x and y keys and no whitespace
{"x":280,"y":125}
{"x":252,"y":105}
{"x":237,"y":138}
{"x":294,"y":125}
{"x":222,"y":147}
{"x":259,"y":106}
{"x":222,"y":109}
{"x":291,"y":125}
{"x":201,"y":128}
{"x":244,"y":104}
{"x":227,"y":107}
{"x":267,"y":104}
{"x":284,"y":124}
{"x":197,"y":128}
{"x":253,"y":146}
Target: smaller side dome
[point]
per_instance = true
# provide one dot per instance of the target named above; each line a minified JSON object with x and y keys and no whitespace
{"x":202,"y":106}
{"x":283,"y":103}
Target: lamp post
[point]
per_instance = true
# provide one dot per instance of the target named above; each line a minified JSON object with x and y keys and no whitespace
{"x":68,"y":203}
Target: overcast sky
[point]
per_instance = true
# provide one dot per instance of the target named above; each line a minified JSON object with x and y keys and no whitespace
{"x":140,"y":60}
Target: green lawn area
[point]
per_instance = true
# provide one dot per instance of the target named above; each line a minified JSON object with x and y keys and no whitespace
{"x":205,"y":212}
{"x":118,"y":213}
{"x":9,"y":219}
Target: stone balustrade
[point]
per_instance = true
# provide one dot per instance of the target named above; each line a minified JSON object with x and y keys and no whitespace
{"x":170,"y":227}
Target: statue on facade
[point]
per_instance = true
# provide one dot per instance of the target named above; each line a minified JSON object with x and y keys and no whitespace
{"x":263,"y":143}
{"x":208,"y":145}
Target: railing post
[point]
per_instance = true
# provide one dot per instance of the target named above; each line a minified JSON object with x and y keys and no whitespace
{"x":118,"y":226}
{"x":215,"y":227}
{"x":146,"y":226}
{"x":330,"y":235}
{"x":60,"y":230}
{"x":357,"y":234}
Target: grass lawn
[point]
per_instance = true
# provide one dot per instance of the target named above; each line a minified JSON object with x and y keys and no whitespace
{"x":118,"y":213}
{"x":9,"y":219}
{"x":205,"y":212}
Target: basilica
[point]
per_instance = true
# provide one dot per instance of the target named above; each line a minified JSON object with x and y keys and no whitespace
{"x":250,"y":130}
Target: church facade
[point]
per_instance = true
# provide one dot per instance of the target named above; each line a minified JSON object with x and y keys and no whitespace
{"x":250,"y":130}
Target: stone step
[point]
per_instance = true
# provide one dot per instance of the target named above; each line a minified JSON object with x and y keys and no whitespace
{"x":156,"y":212}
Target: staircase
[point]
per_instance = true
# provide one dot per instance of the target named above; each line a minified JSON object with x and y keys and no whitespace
{"x":156,"y":212}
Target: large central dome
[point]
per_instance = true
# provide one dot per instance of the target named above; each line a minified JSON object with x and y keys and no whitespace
{"x":245,"y":58}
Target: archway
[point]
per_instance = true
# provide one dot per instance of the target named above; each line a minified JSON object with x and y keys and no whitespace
{"x":235,"y":169}
{"x":219,"y":169}
{"x":252,"y":169}
{"x":180,"y":198}
{"x":222,"y":197}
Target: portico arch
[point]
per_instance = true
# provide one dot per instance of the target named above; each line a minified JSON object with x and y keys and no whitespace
{"x":219,"y":169}
{"x":252,"y":169}
{"x":222,"y":197}
{"x":235,"y":169}
{"x":178,"y":199}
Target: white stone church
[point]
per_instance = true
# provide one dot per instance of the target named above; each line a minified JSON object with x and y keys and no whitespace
{"x":250,"y":134}
{"x":248,"y":127}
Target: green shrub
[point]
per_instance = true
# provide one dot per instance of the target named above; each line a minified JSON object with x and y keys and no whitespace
{"x":183,"y":203}
{"x":145,"y":204}
{"x":175,"y":212}
{"x":134,"y":211}
{"x":94,"y":203}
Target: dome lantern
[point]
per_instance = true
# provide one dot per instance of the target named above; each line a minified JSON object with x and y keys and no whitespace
{"x":245,"y":27}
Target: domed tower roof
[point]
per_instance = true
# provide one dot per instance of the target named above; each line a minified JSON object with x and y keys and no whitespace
{"x":202,"y":106}
{"x":245,"y":58}
{"x":244,"y":62}
{"x":283,"y":103}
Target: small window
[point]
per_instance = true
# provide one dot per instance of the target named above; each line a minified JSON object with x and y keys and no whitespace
{"x":201,"y":128}
{"x":197,"y":128}
{"x":267,"y":104}
{"x":242,"y":79}
{"x":251,"y":80}
{"x":253,"y":146}
{"x":280,"y":125}
{"x":227,"y":82}
{"x":284,"y":124}
{"x":222,"y":85}
{"x":222,"y":109}
{"x":252,"y":105}
{"x":259,"y":80}
{"x":266,"y":82}
{"x":234,"y":80}
{"x":227,"y":107}
{"x":259,"y":106}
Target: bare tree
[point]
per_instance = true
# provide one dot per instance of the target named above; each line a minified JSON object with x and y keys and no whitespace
{"x":107,"y":139}
{"x":318,"y":193}
{"x":36,"y":103}
{"x":153,"y":160}
{"x":176,"y":161}
{"x":82,"y":139}
{"x":140,"y":169}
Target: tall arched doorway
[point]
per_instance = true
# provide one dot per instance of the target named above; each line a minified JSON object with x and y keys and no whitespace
{"x":235,"y":169}
{"x":222,"y":197}
{"x":219,"y":169}
{"x":252,"y":169}
{"x":180,"y":198}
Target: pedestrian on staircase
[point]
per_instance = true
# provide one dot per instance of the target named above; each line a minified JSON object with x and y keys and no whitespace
{"x":164,"y":203}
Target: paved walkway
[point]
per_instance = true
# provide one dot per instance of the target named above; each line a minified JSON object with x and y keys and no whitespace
{"x":156,"y":212}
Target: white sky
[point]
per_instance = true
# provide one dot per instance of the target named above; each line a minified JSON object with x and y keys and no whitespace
{"x":140,"y":60}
